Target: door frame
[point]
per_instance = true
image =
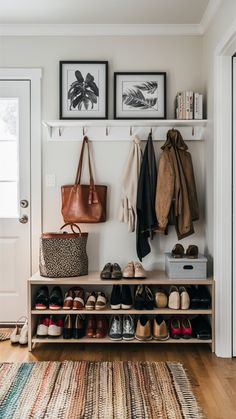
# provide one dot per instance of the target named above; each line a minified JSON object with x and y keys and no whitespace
{"x":33,"y":75}
{"x":223,"y":185}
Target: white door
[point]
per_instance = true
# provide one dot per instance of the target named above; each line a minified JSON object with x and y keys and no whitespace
{"x":14,"y":198}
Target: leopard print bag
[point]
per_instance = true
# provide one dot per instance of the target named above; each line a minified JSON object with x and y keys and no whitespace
{"x":63,"y":254}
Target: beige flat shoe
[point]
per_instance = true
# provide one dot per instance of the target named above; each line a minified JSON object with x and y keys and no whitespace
{"x":15,"y":336}
{"x":184,"y":299}
{"x":139,"y":271}
{"x":174,"y":298}
{"x":161,"y":299}
{"x":128,"y":272}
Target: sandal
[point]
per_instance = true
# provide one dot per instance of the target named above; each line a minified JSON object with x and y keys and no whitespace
{"x":177,"y":251}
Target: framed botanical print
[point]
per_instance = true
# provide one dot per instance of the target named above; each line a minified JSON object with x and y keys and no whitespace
{"x":83,"y":89}
{"x":139,"y":95}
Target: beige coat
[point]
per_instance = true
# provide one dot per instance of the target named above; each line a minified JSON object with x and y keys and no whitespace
{"x":130,"y":186}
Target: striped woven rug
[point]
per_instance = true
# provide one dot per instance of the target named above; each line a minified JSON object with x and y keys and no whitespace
{"x":96,"y":390}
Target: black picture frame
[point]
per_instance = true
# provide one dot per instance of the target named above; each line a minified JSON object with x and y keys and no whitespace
{"x":139,"y":112}
{"x":65,"y":114}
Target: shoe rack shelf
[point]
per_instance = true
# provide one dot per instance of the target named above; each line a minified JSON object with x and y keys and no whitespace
{"x":155,"y":278}
{"x":107,"y":340}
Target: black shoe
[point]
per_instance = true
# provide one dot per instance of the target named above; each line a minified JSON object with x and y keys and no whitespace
{"x":199,"y":297}
{"x":79,"y":327}
{"x":115,"y":300}
{"x":205,"y":298}
{"x":139,"y":300}
{"x":42,"y":299}
{"x":201,"y":328}
{"x":67,"y":327}
{"x":149,"y":299}
{"x":106,"y":272}
{"x":56,"y":299}
{"x":126,"y":298}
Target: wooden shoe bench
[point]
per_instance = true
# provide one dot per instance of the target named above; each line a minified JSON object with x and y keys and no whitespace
{"x":93,"y":282}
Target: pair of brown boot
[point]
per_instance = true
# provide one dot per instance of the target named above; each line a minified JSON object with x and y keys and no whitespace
{"x":96,"y":327}
{"x":145,"y":330}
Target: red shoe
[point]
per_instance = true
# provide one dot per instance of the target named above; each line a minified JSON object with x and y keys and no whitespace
{"x":186,"y":328}
{"x":175,"y":328}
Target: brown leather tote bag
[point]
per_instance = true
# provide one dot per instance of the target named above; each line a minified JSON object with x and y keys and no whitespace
{"x":84,"y":203}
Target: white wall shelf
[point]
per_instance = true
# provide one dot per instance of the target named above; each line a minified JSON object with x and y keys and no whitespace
{"x":123,"y":130}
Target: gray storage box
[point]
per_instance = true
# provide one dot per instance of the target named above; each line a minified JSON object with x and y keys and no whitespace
{"x":185,"y":268}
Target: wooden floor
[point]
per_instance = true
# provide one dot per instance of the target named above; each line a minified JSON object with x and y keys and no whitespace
{"x":213,"y":379}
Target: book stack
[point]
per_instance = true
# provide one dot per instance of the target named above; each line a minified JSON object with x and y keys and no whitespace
{"x":189,"y":105}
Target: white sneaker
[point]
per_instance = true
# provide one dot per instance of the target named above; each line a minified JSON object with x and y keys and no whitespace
{"x":24,"y":334}
{"x":15,"y":336}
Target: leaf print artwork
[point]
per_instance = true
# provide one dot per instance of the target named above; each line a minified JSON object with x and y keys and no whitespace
{"x":141,"y":96}
{"x":83,"y":93}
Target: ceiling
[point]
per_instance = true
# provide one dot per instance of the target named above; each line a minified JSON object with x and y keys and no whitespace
{"x":102,"y":11}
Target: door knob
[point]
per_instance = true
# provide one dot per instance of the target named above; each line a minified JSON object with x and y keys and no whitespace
{"x":24,"y":203}
{"x":23,"y":219}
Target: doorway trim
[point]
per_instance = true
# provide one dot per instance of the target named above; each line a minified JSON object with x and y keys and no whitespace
{"x":223,"y":184}
{"x":34,"y":75}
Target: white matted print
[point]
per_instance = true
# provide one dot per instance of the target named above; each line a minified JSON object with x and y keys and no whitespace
{"x":83,"y":89}
{"x":140,"y":95}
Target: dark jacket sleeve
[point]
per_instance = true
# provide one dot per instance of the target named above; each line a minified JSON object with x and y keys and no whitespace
{"x":146,"y":215}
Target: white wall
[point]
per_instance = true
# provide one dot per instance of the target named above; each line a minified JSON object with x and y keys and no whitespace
{"x":220,"y":25}
{"x":219,"y":47}
{"x":180,"y":57}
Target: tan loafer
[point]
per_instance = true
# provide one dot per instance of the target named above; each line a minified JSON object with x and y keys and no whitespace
{"x":91,"y":301}
{"x":128,"y":272}
{"x":184,"y":299}
{"x":161,"y":299}
{"x":160,"y":329}
{"x":101,"y":302}
{"x":143,"y":328}
{"x":139,"y":271}
{"x":174,"y":298}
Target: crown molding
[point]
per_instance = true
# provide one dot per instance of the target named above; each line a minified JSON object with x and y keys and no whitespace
{"x":209,"y":14}
{"x":98,"y":30}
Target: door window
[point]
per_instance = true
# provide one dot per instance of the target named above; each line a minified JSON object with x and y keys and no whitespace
{"x":9,"y":157}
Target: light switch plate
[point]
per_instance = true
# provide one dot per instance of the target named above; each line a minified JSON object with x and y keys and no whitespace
{"x":50,"y":181}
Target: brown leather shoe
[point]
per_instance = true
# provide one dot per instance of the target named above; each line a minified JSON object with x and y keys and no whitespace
{"x":192,"y":252}
{"x":128,"y":272}
{"x":78,"y":303}
{"x":116,"y":271}
{"x":143,"y":328}
{"x":160,"y":330}
{"x":68,"y":299}
{"x":139,"y":271}
{"x":90,"y":327}
{"x":177,"y":251}
{"x":106,"y":272}
{"x":101,"y":327}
